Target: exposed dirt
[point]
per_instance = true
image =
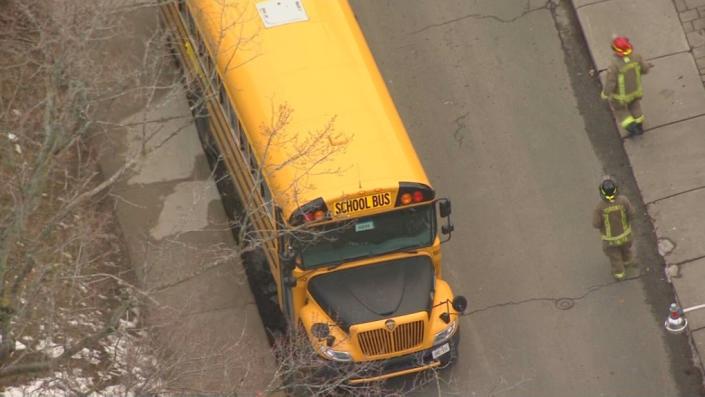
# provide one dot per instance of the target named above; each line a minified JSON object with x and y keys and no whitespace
{"x":67,"y":272}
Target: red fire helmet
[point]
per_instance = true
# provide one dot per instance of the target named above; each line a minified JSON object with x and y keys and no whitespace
{"x":621,"y":46}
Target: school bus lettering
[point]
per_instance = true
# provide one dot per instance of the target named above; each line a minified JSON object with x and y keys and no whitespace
{"x":363,"y":203}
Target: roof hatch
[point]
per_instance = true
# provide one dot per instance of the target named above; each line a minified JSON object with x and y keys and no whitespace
{"x":281,"y":12}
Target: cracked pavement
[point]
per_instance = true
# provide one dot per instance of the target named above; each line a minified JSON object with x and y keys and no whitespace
{"x":560,"y":303}
{"x":550,"y":4}
{"x":503,"y":109}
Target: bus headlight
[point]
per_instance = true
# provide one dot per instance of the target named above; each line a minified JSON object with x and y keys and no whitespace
{"x":446,"y":333}
{"x":335,"y":355}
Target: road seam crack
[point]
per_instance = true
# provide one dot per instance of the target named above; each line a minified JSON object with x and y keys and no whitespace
{"x":589,"y":291}
{"x":548,"y":6}
{"x":675,"y":195}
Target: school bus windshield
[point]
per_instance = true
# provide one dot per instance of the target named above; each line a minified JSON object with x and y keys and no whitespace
{"x":335,"y":243}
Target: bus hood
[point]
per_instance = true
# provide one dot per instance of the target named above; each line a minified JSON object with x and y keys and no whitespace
{"x":375,"y":292}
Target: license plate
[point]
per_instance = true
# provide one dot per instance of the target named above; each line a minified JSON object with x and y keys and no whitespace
{"x":440,"y":350}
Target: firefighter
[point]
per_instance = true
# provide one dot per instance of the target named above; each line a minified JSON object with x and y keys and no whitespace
{"x":613,"y":217}
{"x":623,"y":87}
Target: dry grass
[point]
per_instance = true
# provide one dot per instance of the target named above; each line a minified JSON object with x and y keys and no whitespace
{"x":65,"y":275}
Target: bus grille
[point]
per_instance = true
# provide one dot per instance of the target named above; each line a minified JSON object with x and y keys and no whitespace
{"x":381,"y":341}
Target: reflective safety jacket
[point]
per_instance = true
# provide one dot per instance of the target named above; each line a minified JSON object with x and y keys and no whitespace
{"x":613,"y":218}
{"x":623,"y":80}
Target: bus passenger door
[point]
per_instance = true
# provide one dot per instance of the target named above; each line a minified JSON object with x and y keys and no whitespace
{"x":286,"y":263}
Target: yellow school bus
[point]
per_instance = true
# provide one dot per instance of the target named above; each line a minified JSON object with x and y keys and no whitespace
{"x":338,"y":198}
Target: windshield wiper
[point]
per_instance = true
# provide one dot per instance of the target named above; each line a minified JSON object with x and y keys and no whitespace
{"x":406,"y":250}
{"x":336,"y":264}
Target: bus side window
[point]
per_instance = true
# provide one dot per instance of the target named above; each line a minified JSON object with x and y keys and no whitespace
{"x":241,"y":138}
{"x":266,"y":196}
{"x":233,"y":119}
{"x":182,"y":7}
{"x":280,"y":228}
{"x":190,"y":23}
{"x":201,"y":46}
{"x":246,"y":154}
{"x":222,"y":95}
{"x":253,"y":163}
{"x":210,"y":70}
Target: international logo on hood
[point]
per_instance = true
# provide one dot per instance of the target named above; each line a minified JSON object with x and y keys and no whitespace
{"x":390,"y":325}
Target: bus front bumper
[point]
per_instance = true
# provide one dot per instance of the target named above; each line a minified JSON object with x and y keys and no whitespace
{"x":411,"y":363}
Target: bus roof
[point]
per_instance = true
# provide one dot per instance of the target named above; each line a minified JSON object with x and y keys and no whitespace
{"x":344,"y":135}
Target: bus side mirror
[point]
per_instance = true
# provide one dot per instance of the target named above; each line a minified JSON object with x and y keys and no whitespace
{"x":460,"y":303}
{"x":444,"y":207}
{"x":444,"y":210}
{"x":447,"y":229}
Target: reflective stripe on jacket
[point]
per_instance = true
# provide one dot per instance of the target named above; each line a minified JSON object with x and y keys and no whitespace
{"x":617,"y":229}
{"x":623,"y":79}
{"x":613,"y":219}
{"x":628,"y":77}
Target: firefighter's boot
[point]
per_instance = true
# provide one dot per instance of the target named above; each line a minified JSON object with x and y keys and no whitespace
{"x":633,"y":129}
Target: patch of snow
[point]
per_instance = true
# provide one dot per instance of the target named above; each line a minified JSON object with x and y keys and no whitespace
{"x":116,"y":390}
{"x":19,"y":345}
{"x":128,"y":324}
{"x":119,"y":356}
{"x":81,"y":354}
{"x":672,"y":271}
{"x":92,"y":356}
{"x":49,"y":348}
{"x":55,"y":386}
{"x":94,"y":323}
{"x":665,"y":246}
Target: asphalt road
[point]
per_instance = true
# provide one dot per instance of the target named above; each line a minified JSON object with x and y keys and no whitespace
{"x":508,"y":123}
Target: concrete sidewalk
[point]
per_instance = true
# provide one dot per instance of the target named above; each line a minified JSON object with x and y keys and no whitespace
{"x":669,"y":159}
{"x":200,"y":312}
{"x":203,"y":313}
